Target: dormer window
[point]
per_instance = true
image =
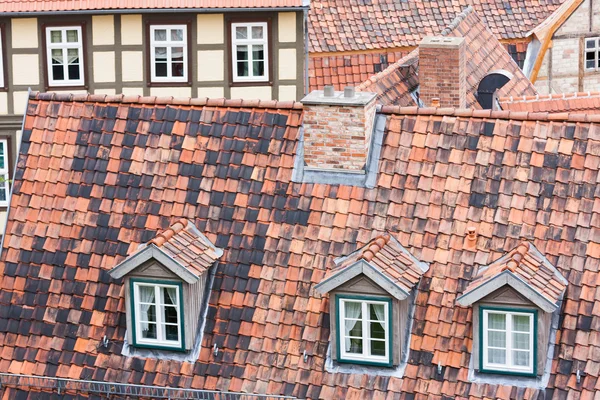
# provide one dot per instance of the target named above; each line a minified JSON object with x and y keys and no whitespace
{"x":166,"y":289}
{"x":371,"y":298}
{"x":515,"y":301}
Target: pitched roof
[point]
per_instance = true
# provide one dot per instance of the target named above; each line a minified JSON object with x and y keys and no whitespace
{"x":530,"y":267}
{"x":388,"y":258}
{"x":182,"y":243}
{"x":38,"y":6}
{"x":99,"y":175}
{"x":583,"y":102}
{"x":484,"y":54}
{"x":353,"y":25}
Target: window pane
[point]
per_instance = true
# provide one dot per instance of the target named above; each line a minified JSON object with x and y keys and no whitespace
{"x":160,"y":69}
{"x":242,"y":53}
{"x":148,"y":330}
{"x":73,"y":56}
{"x":520,"y":323}
{"x":2,"y":155}
{"x":177,"y":34}
{"x":171,"y":332}
{"x":258,"y":68}
{"x":55,"y":36}
{"x":72,"y":36}
{"x":590,"y":64}
{"x":171,"y":315}
{"x":242,"y":69}
{"x":160,"y":35}
{"x":3,"y":192}
{"x":170,"y":295}
{"x":177,"y":69}
{"x":74,"y":71}
{"x":58,"y":73}
{"x":258,"y":52}
{"x":354,"y":346}
{"x":496,"y":339}
{"x":377,"y":348}
{"x":257,"y":32}
{"x":160,"y":53}
{"x":377,"y":331}
{"x":496,"y":321}
{"x":521,"y":358}
{"x":496,"y":356}
{"x":241,"y":32}
{"x":377,"y":312}
{"x":590,"y":43}
{"x":521,"y":341}
{"x":177,"y":53}
{"x":147,"y":294}
{"x":57,"y":56}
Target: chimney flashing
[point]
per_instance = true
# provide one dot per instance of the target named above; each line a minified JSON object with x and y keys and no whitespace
{"x":317,"y":97}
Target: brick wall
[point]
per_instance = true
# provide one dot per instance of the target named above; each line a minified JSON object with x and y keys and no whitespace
{"x":442,"y":65}
{"x":337,"y":136}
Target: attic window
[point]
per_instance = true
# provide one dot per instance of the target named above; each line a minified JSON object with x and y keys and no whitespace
{"x":372,"y":329}
{"x":157,"y":313}
{"x":592,"y":53}
{"x":167,"y":285}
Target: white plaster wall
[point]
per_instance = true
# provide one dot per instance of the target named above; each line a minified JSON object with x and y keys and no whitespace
{"x":578,"y":22}
{"x":3,"y":103}
{"x":211,"y":65}
{"x":103,"y":30}
{"x":287,"y":92}
{"x":24,"y":33}
{"x":171,"y":91}
{"x":211,"y":92}
{"x":19,"y":102}
{"x":109,"y":92}
{"x":251,"y":92}
{"x":133,"y":91}
{"x":287,"y":27}
{"x":25,"y":68}
{"x":131,"y":29}
{"x":104,"y":66}
{"x":565,"y":84}
{"x":132,"y":66}
{"x":287,"y":64}
{"x":591,"y":82}
{"x":210,"y":29}
{"x":565,"y":57}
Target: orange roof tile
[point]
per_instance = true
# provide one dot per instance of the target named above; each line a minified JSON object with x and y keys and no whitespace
{"x":37,"y":6}
{"x":584,"y":102}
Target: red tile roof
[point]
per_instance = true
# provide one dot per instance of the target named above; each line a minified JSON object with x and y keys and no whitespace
{"x":484,"y":54}
{"x":353,"y":25}
{"x":584,"y":102}
{"x":530,"y":266}
{"x":99,"y":175}
{"x":34,"y":6}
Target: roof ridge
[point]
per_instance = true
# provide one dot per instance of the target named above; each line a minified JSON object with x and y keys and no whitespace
{"x":549,"y":97}
{"x":460,"y":17}
{"x":167,"y":100}
{"x":492,"y":114}
{"x":166,"y":235}
{"x":375,"y":245}
{"x":382,"y":74}
{"x":516,"y":256}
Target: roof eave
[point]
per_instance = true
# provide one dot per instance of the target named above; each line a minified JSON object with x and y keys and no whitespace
{"x":152,"y":11}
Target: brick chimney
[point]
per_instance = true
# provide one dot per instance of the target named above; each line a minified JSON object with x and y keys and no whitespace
{"x":442,"y":69}
{"x":338,"y":128}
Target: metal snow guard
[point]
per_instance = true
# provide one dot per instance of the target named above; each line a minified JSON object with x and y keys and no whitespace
{"x":124,"y":389}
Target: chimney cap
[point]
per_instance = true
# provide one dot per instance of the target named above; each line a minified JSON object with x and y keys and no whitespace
{"x":318,"y":97}
{"x":445,"y":42}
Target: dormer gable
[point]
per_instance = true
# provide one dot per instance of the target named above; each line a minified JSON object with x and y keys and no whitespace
{"x":167,"y":284}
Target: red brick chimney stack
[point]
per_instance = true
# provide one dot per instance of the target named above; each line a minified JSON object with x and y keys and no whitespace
{"x":442,"y":71}
{"x":338,"y":128}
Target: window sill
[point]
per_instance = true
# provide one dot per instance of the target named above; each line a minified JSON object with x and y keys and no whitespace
{"x":505,"y":378}
{"x":54,"y":88}
{"x":251,"y":83}
{"x":169,"y":84}
{"x":159,"y":347}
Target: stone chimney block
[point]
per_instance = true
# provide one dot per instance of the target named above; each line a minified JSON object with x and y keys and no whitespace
{"x":442,"y":71}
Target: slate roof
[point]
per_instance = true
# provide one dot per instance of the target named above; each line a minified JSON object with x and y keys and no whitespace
{"x":583,"y":102}
{"x":484,"y":54}
{"x":354,"y":25}
{"x":36,"y":6}
{"x":99,"y":175}
{"x":528,"y":265}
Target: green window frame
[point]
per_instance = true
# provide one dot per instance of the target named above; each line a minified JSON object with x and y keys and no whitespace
{"x":511,"y":334}
{"x":366,"y":358}
{"x":160,"y":342}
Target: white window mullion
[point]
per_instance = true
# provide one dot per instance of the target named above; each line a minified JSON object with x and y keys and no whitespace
{"x":365,"y":331}
{"x":509,"y":335}
{"x":159,"y":314}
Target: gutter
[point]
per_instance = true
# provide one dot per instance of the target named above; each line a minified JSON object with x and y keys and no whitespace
{"x":152,"y":11}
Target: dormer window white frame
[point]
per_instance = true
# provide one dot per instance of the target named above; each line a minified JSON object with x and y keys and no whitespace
{"x":4,"y":176}
{"x":250,"y":51}
{"x":508,"y":341}
{"x":157,"y":314}
{"x":364,"y":336}
{"x":65,"y":56}
{"x":592,"y":54}
{"x":168,"y":53}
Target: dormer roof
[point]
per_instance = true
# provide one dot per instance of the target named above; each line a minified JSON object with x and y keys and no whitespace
{"x":181,"y":248}
{"x":527,"y":271}
{"x":385,"y":261}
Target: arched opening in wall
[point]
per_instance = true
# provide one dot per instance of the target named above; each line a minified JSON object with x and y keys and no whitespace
{"x":488,"y":86}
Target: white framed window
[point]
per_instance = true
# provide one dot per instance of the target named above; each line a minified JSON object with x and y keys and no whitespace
{"x":4,"y":178}
{"x":250,"y":52}
{"x":158,"y":315}
{"x":364,"y":328}
{"x":64,"y":50}
{"x":168,"y":53}
{"x":592,"y":53}
{"x":1,"y":59}
{"x":508,"y":342}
